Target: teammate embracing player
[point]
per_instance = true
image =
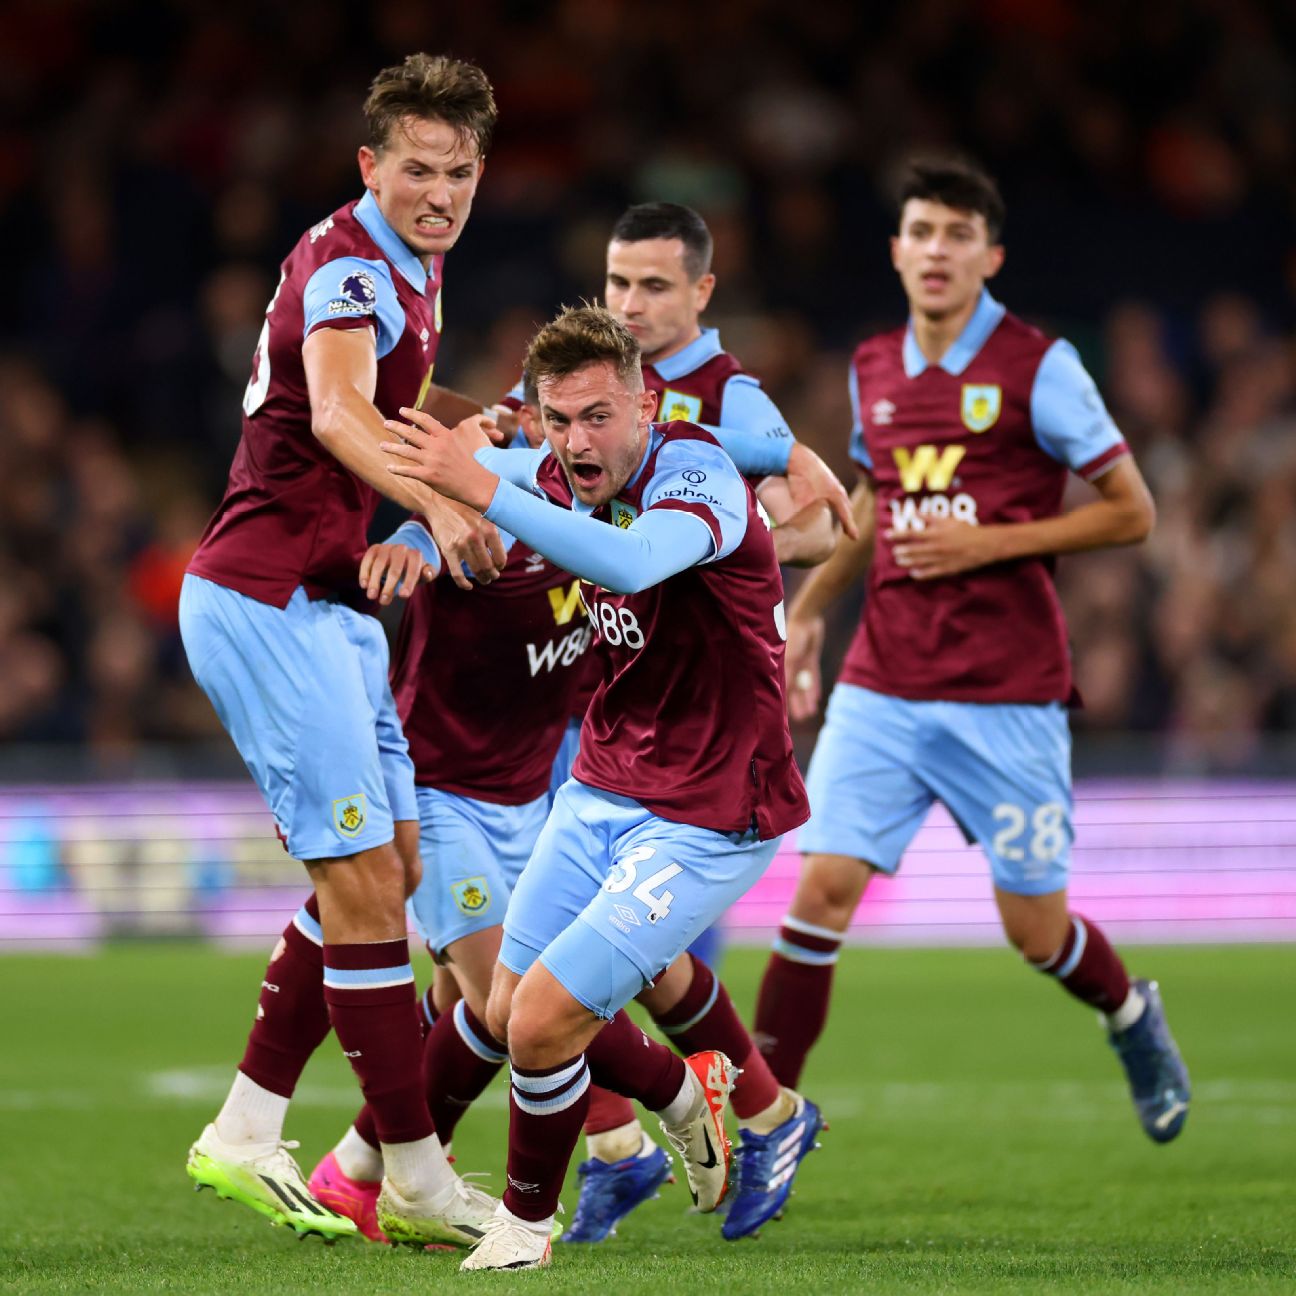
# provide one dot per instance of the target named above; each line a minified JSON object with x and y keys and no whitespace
{"x":967,"y":423}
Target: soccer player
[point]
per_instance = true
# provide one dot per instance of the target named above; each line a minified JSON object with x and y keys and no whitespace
{"x":298,"y":675}
{"x":658,"y":284}
{"x":685,"y":780}
{"x":967,"y":422}
{"x":484,"y":684}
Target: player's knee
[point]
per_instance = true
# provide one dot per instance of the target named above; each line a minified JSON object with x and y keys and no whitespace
{"x":498,"y":1011}
{"x":1036,"y":939}
{"x":829,"y":890}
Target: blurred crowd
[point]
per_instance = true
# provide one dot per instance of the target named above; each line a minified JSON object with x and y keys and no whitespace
{"x":158,"y":160}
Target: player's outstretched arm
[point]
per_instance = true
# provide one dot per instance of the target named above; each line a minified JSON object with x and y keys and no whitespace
{"x":1123,"y":514}
{"x":341,"y":377}
{"x":822,"y":588}
{"x":657,"y":545}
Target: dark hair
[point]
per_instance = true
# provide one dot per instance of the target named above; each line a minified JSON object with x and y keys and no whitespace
{"x":663,"y":220}
{"x":578,"y":336}
{"x":433,"y":87}
{"x":954,"y":182}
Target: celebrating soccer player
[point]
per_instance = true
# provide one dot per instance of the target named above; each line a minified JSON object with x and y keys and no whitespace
{"x":967,"y":423}
{"x":658,"y":284}
{"x":685,"y":780}
{"x":299,"y":677}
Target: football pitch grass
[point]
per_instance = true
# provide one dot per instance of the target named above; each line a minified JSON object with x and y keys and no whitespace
{"x":981,"y":1140}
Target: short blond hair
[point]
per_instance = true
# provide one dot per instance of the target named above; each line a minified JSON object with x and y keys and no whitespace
{"x":581,"y":335}
{"x":432,"y":87}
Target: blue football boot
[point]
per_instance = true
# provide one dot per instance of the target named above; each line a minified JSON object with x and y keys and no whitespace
{"x":767,"y":1164}
{"x":1158,"y":1079}
{"x":610,"y":1190}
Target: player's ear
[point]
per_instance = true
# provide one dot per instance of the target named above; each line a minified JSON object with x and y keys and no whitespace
{"x":368,"y":161}
{"x":994,"y":259}
{"x":704,"y":288}
{"x":895,"y":252}
{"x":647,"y":405}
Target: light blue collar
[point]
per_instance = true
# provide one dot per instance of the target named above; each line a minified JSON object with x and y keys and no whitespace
{"x":392,"y":246}
{"x":985,"y":319}
{"x":694,"y":356}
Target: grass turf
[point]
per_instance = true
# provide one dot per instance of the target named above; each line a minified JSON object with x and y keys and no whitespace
{"x":981,"y":1140}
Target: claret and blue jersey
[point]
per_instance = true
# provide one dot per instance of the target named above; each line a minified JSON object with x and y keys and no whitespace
{"x":986,"y":435}
{"x":689,"y":717}
{"x":954,"y":689}
{"x":292,"y":515}
{"x":298,"y":677}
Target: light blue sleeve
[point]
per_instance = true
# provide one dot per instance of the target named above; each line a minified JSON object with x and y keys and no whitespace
{"x":858,"y":450}
{"x":656,"y":545}
{"x":759,"y":450}
{"x":517,"y":466}
{"x":518,"y":392}
{"x":353,"y":288}
{"x":746,"y":407}
{"x":1070,"y":421}
{"x":697,"y":475}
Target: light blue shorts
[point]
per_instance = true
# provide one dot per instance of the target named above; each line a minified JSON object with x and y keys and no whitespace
{"x":303,"y":693}
{"x":566,"y":758}
{"x":612,"y":894}
{"x":1003,"y":771}
{"x":473,"y":852}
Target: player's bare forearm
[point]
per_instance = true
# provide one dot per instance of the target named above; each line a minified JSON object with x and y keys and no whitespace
{"x":351,"y":429}
{"x":803,"y":536}
{"x":846,"y":565}
{"x":807,"y":538}
{"x":1123,"y":515}
{"x":341,"y":376}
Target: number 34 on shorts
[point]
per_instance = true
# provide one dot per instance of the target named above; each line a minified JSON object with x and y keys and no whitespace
{"x":642,"y":874}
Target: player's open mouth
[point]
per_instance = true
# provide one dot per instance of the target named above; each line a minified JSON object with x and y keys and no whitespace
{"x":934,"y":280}
{"x":433,"y":224}
{"x":587,"y":474}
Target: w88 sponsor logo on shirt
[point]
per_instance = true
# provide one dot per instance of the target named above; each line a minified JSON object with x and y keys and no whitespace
{"x":614,"y":623}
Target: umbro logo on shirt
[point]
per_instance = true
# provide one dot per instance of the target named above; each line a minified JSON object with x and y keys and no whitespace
{"x":883,"y":413}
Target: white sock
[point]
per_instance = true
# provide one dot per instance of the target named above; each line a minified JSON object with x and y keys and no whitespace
{"x":616,"y":1144}
{"x":251,"y":1114}
{"x":356,"y":1159}
{"x":417,"y":1169}
{"x":544,"y":1227}
{"x":783,"y":1108}
{"x":1128,"y":1013}
{"x":685,"y":1104}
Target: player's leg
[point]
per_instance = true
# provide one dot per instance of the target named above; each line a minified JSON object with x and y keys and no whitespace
{"x":245,"y":655}
{"x":561,"y":978}
{"x":777,"y":1126}
{"x":1005,"y":773}
{"x":866,"y":804}
{"x":476,"y":851}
